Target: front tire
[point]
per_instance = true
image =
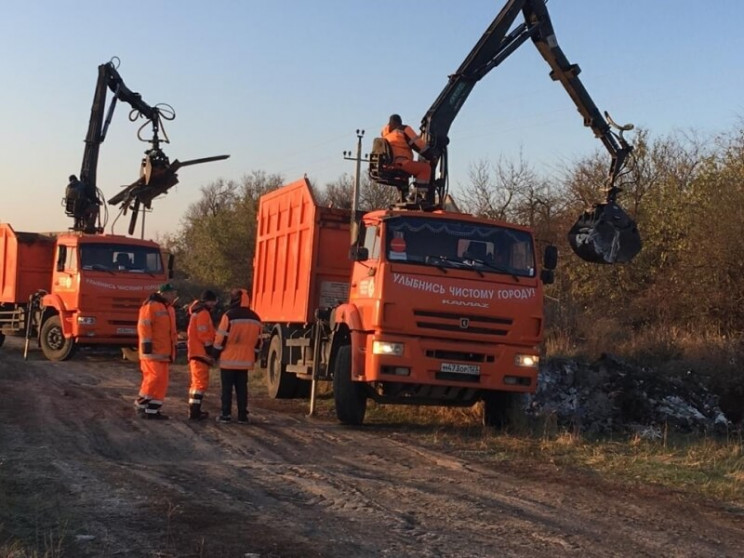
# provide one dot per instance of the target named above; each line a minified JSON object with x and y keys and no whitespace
{"x":2,"y":339}
{"x":351,"y":401}
{"x":54,"y":344}
{"x":279,"y":383}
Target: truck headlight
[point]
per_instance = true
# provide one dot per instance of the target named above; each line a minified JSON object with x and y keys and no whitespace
{"x":387,"y":348}
{"x":86,"y":320}
{"x":526,"y":361}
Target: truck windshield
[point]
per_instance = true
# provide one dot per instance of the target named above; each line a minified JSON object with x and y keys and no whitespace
{"x":450,"y":243}
{"x":120,"y":258}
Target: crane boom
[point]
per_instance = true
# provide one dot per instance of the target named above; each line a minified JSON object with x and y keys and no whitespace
{"x":604,"y":234}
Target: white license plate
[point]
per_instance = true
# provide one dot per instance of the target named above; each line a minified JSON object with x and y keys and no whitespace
{"x":126,"y":331}
{"x":459,"y":368}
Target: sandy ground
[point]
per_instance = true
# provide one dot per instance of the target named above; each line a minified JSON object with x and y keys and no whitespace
{"x":79,"y":471}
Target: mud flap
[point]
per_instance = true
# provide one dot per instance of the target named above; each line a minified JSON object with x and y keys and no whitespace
{"x":605,"y":234}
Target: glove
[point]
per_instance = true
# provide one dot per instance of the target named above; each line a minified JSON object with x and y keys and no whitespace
{"x":430,"y":154}
{"x":147,"y":348}
{"x":212,"y":352}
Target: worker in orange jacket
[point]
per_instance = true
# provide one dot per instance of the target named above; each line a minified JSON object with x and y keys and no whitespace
{"x":156,"y":329}
{"x":403,"y":140}
{"x":237,"y":343}
{"x":200,"y":339}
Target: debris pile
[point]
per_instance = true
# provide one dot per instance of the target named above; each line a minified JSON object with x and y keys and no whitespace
{"x":611,"y":395}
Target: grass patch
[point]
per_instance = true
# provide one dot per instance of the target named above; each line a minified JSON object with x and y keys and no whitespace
{"x":700,"y":466}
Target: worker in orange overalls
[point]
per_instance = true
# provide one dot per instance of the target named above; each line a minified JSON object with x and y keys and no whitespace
{"x":156,"y":328}
{"x":403,"y":140}
{"x":200,"y":341}
{"x":237,"y":343}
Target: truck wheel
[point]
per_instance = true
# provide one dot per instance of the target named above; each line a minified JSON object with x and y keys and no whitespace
{"x":351,"y":401}
{"x":499,"y":408}
{"x":2,"y":339}
{"x":54,"y":345}
{"x":280,"y":383}
{"x":130,"y":354}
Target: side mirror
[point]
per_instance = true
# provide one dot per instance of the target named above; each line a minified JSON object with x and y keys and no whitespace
{"x":359,"y":253}
{"x":550,"y":258}
{"x":547,"y":276}
{"x":171,"y":261}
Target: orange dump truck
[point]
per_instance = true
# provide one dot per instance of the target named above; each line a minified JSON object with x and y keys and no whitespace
{"x":71,"y":289}
{"x":423,"y":308}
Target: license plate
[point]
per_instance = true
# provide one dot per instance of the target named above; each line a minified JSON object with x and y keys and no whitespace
{"x":459,"y":368}
{"x":126,"y":331}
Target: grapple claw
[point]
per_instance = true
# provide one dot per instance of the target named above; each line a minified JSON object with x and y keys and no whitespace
{"x":606,"y":234}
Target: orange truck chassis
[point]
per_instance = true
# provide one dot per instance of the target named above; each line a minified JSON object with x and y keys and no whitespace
{"x":422,"y":308}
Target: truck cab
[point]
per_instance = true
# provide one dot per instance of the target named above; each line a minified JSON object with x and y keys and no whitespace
{"x":98,"y":285}
{"x":446,"y":297}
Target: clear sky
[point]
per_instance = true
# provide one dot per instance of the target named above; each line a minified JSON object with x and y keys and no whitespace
{"x":282,"y":85}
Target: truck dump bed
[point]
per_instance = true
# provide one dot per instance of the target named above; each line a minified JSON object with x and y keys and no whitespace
{"x":301,"y":261}
{"x":26,"y":261}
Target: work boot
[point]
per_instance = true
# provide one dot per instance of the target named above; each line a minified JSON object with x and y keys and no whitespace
{"x":140,"y":404}
{"x":195,"y":412}
{"x":224,"y":418}
{"x":243,"y":418}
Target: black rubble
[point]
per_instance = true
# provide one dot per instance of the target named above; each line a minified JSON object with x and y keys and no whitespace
{"x":611,"y":395}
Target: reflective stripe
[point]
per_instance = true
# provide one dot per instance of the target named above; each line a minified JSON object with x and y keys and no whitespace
{"x":244,"y":321}
{"x":145,"y":321}
{"x":146,"y":340}
{"x":194,"y":401}
{"x":221,"y":332}
{"x":202,"y":328}
{"x":218,"y":347}
{"x":154,"y":356}
{"x":159,"y":313}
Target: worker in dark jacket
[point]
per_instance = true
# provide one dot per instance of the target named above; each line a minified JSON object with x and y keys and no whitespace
{"x":199,"y":342}
{"x":156,"y":328}
{"x":236,"y":343}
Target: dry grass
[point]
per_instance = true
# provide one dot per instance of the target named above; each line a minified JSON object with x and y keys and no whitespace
{"x":700,"y":466}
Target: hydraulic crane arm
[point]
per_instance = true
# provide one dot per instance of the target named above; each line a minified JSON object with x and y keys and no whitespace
{"x":82,"y":199}
{"x":496,"y":44}
{"x":604,"y":234}
{"x":157,"y":173}
{"x":109,"y":79}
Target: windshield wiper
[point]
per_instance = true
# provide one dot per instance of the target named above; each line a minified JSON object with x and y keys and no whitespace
{"x":436,"y":261}
{"x":470,"y":263}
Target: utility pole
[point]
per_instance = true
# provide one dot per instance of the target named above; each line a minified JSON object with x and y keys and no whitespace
{"x":357,"y":181}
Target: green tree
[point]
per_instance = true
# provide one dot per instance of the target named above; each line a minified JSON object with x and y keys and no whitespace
{"x":215,"y":243}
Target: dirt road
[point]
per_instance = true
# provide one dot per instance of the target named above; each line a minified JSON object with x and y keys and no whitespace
{"x":76,"y":464}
